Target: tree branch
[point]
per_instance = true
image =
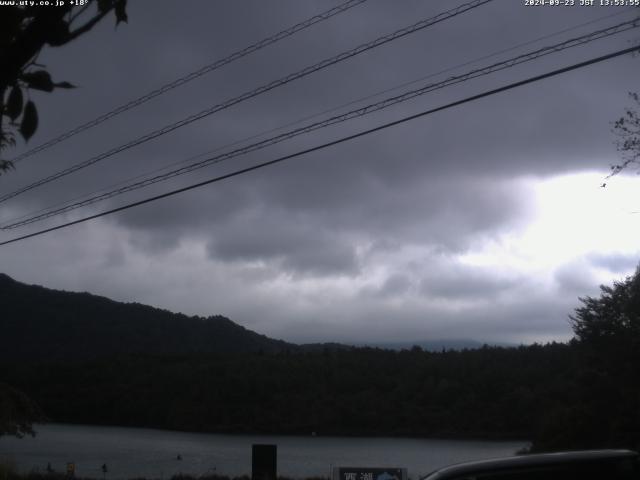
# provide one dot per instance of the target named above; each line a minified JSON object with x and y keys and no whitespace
{"x":80,"y":12}
{"x":27,"y":45}
{"x":87,"y":26}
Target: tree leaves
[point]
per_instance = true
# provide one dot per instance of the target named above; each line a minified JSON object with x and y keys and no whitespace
{"x":19,"y":412}
{"x":14,"y":103}
{"x":104,"y":5}
{"x":38,"y":80}
{"x":29,"y":123}
{"x":627,"y":129}
{"x":29,"y":28}
{"x":119,"y":6}
{"x":64,"y":85}
{"x":120,"y":11}
{"x":41,"y":80}
{"x":58,"y":33}
{"x":6,"y":165}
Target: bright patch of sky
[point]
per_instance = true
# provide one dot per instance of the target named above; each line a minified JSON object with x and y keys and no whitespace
{"x":573,"y":216}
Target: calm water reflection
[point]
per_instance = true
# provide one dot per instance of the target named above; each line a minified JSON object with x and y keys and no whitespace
{"x":138,"y":452}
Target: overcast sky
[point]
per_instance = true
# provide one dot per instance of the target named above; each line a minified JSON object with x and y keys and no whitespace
{"x":486,"y":221}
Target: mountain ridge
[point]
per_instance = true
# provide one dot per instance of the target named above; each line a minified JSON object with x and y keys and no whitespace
{"x":39,"y":322}
{"x":43,"y":323}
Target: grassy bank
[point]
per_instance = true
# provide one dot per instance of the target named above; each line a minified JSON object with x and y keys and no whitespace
{"x":9,"y":472}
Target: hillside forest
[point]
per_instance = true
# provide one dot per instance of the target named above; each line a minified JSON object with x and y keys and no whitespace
{"x":88,"y":359}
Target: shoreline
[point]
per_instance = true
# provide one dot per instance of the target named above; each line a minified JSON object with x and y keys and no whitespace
{"x":150,"y":454}
{"x":442,"y":436}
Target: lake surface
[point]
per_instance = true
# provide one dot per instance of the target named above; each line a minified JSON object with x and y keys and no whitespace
{"x":140,"y":452}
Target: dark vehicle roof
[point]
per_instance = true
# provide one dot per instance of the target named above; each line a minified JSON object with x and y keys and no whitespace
{"x":533,"y":461}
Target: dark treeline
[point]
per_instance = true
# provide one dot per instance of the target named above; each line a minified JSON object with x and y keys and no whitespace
{"x":52,"y":325}
{"x":13,"y":474}
{"x":87,"y":359}
{"x":489,"y":393}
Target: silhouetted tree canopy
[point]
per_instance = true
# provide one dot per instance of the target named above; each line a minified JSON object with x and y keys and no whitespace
{"x":17,"y":412}
{"x":613,"y":319}
{"x":627,"y":128}
{"x":88,"y":359}
{"x":24,"y":31}
{"x":607,"y":345}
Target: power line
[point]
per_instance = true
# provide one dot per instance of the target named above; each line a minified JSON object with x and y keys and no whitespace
{"x":193,"y":75}
{"x":334,"y":120}
{"x":264,"y":88}
{"x":332,"y":143}
{"x":520,"y":59}
{"x":318,"y":114}
{"x":77,"y":198}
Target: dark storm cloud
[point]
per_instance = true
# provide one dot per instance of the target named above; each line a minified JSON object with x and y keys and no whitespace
{"x":442,"y":184}
{"x":396,"y":284}
{"x":523,"y":132}
{"x":616,"y":263}
{"x":575,"y":279}
{"x":299,"y":245}
{"x":305,"y":219}
{"x":536,"y":318}
{"x":440,"y":277}
{"x":582,"y":276}
{"x":466,"y":283}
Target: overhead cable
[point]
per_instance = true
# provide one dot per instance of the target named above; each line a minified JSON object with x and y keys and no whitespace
{"x":192,"y":76}
{"x":253,"y":93}
{"x":331,"y":143}
{"x":298,"y":121}
{"x":319,"y":114}
{"x":523,"y":58}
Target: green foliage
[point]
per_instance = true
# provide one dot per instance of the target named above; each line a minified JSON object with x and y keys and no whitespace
{"x":24,"y":31}
{"x":29,"y":122}
{"x":491,"y":392}
{"x":14,"y":104}
{"x":80,"y":326}
{"x":613,"y":319}
{"x":10,"y":473}
{"x":8,"y":469}
{"x":627,"y":130}
{"x":87,"y":359}
{"x":17,"y":412}
{"x":604,"y":409}
{"x":38,"y":80}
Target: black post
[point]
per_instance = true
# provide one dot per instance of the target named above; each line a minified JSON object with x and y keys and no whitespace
{"x":264,"y":462}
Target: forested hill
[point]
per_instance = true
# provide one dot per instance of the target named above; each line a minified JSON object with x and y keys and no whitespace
{"x":40,"y":323}
{"x":88,"y":359}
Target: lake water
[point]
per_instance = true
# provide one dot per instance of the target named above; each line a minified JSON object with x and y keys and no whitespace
{"x":139,"y":452}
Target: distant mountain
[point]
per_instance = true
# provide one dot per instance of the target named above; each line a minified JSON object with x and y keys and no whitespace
{"x":435,"y":345}
{"x":90,"y":360}
{"x":40,"y":323}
